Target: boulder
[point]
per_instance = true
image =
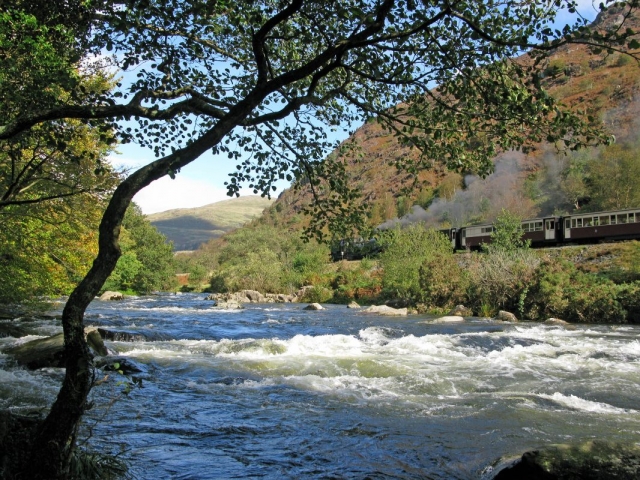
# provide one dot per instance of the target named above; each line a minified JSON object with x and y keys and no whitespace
{"x":556,"y":321}
{"x":252,"y":296}
{"x":314,"y":306}
{"x":229,"y":305}
{"x":94,"y":340}
{"x":593,"y":460}
{"x":49,"y":352}
{"x":131,"y":335}
{"x":505,"y":316}
{"x":353,"y":305}
{"x":449,"y":319}
{"x":460,"y":311}
{"x":108,"y":296}
{"x":386,"y":310}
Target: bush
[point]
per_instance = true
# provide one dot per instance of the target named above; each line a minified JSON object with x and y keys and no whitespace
{"x":260,"y":270}
{"x":405,"y":251}
{"x":360,"y":282}
{"x":502,"y":279}
{"x":561,"y":290}
{"x":317,"y":294}
{"x":443,"y":282}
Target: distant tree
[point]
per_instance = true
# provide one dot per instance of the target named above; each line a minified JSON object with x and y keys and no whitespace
{"x":613,"y":178}
{"x":573,"y":180}
{"x":269,"y":79}
{"x":147,"y":262}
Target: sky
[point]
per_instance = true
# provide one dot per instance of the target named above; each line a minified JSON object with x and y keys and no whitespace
{"x":199,"y":183}
{"x":202,"y":182}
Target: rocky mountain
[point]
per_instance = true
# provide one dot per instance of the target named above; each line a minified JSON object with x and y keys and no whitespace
{"x":188,"y":228}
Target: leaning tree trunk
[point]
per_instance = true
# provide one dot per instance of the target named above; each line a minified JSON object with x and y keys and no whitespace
{"x":55,"y":441}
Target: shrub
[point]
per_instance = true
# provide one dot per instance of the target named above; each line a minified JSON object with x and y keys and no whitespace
{"x":405,"y":251}
{"x":443,"y":282}
{"x":561,"y":290}
{"x":502,"y":278}
{"x":317,"y":294}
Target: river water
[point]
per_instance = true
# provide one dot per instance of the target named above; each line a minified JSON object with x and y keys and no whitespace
{"x":273,"y":391}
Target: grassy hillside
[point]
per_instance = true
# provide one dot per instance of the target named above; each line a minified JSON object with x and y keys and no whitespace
{"x":188,"y":228}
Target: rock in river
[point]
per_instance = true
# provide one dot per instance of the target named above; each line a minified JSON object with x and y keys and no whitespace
{"x":386,"y":310}
{"x":108,"y":296}
{"x":449,"y":319}
{"x":49,"y":352}
{"x":314,"y":306}
{"x":505,"y":316}
{"x":594,"y":460}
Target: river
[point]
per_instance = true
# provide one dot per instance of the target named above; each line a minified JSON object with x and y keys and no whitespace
{"x":273,"y":391}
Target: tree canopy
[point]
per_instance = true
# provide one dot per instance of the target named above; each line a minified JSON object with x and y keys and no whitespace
{"x":264,"y":82}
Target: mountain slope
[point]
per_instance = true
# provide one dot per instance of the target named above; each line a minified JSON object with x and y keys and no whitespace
{"x":604,"y":86}
{"x":188,"y":228}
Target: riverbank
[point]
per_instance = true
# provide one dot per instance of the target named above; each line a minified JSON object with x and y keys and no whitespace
{"x":580,"y":284}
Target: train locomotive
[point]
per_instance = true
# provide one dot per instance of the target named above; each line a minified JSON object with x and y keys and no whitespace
{"x":575,"y":228}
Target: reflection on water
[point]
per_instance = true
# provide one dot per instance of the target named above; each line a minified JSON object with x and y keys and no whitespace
{"x":273,"y":391}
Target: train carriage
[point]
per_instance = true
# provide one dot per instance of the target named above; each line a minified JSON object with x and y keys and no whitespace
{"x":473,"y":237}
{"x":539,"y":231}
{"x":542,"y":231}
{"x":602,"y":226}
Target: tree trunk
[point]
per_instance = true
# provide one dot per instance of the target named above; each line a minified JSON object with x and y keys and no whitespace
{"x":54,"y":444}
{"x":52,"y":449}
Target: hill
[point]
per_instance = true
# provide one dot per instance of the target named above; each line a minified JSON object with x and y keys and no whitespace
{"x":188,"y":228}
{"x":605,"y":86}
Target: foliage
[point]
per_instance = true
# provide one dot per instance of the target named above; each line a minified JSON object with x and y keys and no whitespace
{"x":147,"y":262}
{"x":356,"y":281}
{"x":259,"y":270}
{"x":317,"y":294}
{"x":45,"y":257}
{"x":560,"y":290}
{"x":443,"y":282}
{"x":613,"y":178}
{"x":38,"y":69}
{"x":500,"y":278}
{"x":263,"y":257}
{"x":381,"y":55}
{"x":507,"y":234}
{"x":405,"y":251}
{"x":604,"y":178}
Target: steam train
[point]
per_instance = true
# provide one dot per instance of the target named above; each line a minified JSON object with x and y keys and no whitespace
{"x":575,"y":228}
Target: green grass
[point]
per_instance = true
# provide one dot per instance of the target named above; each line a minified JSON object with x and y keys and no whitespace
{"x":190,"y":227}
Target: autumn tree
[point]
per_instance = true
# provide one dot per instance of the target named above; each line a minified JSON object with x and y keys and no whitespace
{"x":264,"y":82}
{"x":612,"y":178}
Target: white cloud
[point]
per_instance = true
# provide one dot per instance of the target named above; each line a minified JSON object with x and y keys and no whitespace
{"x":183,"y":192}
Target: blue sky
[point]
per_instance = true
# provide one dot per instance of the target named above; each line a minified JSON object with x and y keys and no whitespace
{"x":202,"y":181}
